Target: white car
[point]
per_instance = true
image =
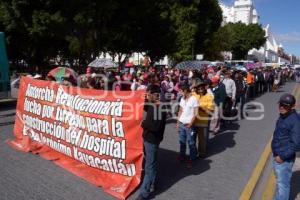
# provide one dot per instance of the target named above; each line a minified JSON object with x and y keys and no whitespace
{"x":14,"y":87}
{"x":15,"y":84}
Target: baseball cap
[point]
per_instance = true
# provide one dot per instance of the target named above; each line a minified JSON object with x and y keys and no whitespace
{"x":287,"y":100}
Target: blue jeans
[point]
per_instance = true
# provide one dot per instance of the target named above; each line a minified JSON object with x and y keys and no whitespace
{"x":283,"y":173}
{"x":187,"y":135}
{"x":150,"y":168}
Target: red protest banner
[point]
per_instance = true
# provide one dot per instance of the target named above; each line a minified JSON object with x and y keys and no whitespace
{"x":94,"y":134}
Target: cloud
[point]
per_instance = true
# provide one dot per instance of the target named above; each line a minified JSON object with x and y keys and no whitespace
{"x":293,"y":37}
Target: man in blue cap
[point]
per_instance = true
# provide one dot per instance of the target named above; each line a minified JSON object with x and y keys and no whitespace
{"x":285,"y":144}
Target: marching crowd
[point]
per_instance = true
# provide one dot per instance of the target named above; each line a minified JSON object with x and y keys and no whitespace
{"x":208,"y":100}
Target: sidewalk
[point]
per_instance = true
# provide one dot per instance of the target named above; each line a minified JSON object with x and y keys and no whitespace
{"x":262,"y":184}
{"x":295,"y":195}
{"x":7,"y":102}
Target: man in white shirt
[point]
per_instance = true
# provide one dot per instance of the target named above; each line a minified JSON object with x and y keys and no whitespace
{"x":230,"y":86}
{"x":231,"y":94}
{"x":188,"y":111}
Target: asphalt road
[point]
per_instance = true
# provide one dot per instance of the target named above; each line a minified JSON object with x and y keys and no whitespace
{"x":232,"y":156}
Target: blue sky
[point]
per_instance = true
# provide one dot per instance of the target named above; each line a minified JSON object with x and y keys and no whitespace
{"x":284,"y":19}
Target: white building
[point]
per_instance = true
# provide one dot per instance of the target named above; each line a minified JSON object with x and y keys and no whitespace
{"x":135,"y":58}
{"x":242,"y":11}
{"x":271,"y":47}
{"x":228,"y":14}
{"x":267,"y":53}
{"x":245,"y":12}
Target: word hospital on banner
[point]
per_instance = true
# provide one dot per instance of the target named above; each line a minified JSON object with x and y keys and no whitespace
{"x":70,"y":125}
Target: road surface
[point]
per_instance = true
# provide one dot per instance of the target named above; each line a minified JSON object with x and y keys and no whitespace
{"x":232,"y":157}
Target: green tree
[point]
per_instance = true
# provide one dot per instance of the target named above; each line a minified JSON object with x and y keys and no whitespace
{"x":140,"y":26}
{"x":88,"y":24}
{"x":243,"y":38}
{"x":194,"y":22}
{"x":218,"y":42}
{"x":209,"y":22}
{"x":183,"y":16}
{"x":33,"y":29}
{"x":78,"y":30}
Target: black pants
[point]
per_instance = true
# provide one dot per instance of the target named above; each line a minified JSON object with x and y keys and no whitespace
{"x":255,"y":89}
{"x":261,"y":85}
{"x":269,"y":86}
{"x":227,"y":107}
{"x":250,"y":91}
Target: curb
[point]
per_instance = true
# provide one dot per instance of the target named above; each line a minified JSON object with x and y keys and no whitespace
{"x":270,"y":187}
{"x":257,"y":172}
{"x":271,"y":184}
{"x":7,"y":102}
{"x":253,"y":181}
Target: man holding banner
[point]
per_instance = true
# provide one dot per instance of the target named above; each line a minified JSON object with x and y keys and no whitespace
{"x":87,"y":132}
{"x":154,"y":127}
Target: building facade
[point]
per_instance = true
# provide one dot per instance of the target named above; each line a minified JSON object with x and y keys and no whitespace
{"x":242,"y":11}
{"x":245,"y":12}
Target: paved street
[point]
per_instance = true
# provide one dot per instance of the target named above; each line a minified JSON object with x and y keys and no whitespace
{"x":222,"y":175}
